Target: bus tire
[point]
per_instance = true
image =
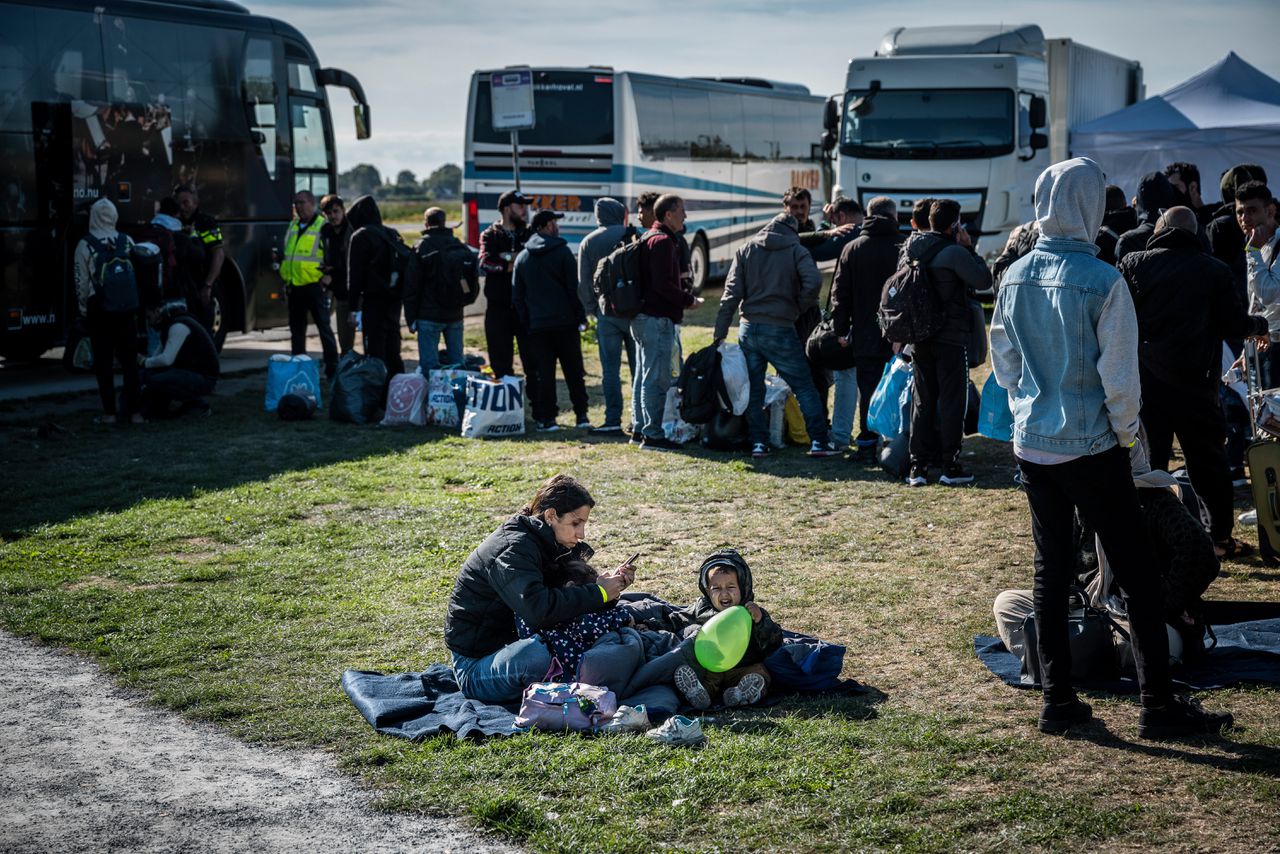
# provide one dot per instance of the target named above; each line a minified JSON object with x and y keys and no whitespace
{"x":216,"y":314}
{"x":699,"y":263}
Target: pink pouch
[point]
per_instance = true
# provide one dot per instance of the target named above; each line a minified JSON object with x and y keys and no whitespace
{"x":562,"y":706}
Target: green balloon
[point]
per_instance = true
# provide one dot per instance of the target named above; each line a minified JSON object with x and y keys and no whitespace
{"x":723,"y":640}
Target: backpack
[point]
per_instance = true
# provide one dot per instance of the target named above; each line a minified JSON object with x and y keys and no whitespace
{"x":113,"y":276}
{"x":406,"y":265}
{"x":617,"y":284}
{"x":909,"y":309}
{"x":162,"y":283}
{"x":454,"y":274}
{"x":702,"y":389}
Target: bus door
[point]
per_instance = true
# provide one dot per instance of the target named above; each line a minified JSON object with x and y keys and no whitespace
{"x":311,"y":147}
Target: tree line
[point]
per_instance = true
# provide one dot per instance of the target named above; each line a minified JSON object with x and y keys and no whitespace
{"x":364,"y":179}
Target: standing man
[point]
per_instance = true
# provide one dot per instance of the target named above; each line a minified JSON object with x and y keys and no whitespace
{"x":373,"y":283}
{"x":613,"y":334}
{"x":1061,"y":312}
{"x":1155,"y":194}
{"x":335,"y":235}
{"x":544,"y":294}
{"x":205,"y":231}
{"x":1118,"y":219}
{"x":1256,"y":214}
{"x":499,"y":246}
{"x":1185,"y":178}
{"x":940,"y":375}
{"x":305,"y":280}
{"x":434,"y":307}
{"x":865,"y":265}
{"x":654,"y":328}
{"x":644,"y":209}
{"x":771,"y":281}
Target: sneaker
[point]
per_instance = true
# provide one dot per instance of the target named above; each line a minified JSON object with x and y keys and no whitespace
{"x":660,"y":444}
{"x":746,"y":692}
{"x":865,"y":454}
{"x":954,"y":474}
{"x":1239,"y":478}
{"x":583,"y":424}
{"x":821,"y":450}
{"x":628,"y":719}
{"x":604,"y":429}
{"x":1181,"y":716}
{"x":918,"y":476}
{"x":688,"y":683}
{"x":1057,"y":718}
{"x":547,"y":427}
{"x":1249,"y":517}
{"x":678,"y":731}
{"x":759,"y":451}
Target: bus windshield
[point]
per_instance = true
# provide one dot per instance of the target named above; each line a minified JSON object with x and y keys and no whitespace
{"x":570,"y":108}
{"x":930,"y":123}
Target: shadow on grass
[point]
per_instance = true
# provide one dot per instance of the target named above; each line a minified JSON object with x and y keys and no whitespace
{"x":1244,"y":758}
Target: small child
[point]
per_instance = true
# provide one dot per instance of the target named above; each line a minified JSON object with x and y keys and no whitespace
{"x":568,"y":641}
{"x":725,"y":580}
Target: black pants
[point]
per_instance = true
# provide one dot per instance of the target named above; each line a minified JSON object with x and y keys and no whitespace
{"x":501,"y":329}
{"x":544,"y":350}
{"x":114,"y":337}
{"x":1101,"y":487}
{"x":380,"y":318}
{"x":1195,"y":416}
{"x":940,"y":393}
{"x":163,"y":387}
{"x":311,"y":299}
{"x":346,"y":329}
{"x":868,"y":372}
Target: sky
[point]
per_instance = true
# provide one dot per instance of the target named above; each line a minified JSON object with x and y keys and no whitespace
{"x":415,"y":57}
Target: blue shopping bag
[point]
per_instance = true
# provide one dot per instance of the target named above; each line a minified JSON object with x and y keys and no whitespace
{"x":291,"y":375}
{"x":884,"y":413}
{"x":995,"y":419}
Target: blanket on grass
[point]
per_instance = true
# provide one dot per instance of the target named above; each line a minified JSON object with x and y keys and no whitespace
{"x":1246,"y":652}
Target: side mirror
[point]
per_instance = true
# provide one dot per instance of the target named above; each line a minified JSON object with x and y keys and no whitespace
{"x":362,"y":120}
{"x":831,"y":115}
{"x":1039,"y":141}
{"x":828,"y":140}
{"x":1038,"y":112}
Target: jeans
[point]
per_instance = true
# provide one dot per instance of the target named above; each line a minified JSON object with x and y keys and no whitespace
{"x":612,"y":334}
{"x":655,"y":340}
{"x":854,"y":387}
{"x":940,"y":394}
{"x":502,"y":676}
{"x":311,"y":299}
{"x":1101,"y":488}
{"x":766,"y":344}
{"x":429,"y":332}
{"x":162,"y":387}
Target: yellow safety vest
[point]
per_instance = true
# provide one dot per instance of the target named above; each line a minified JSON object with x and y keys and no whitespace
{"x":303,"y":253}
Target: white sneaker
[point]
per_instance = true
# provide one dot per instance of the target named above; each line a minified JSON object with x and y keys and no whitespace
{"x":628,"y":719}
{"x":689,"y":685}
{"x":678,"y":731}
{"x":1249,"y":517}
{"x":749,"y":690}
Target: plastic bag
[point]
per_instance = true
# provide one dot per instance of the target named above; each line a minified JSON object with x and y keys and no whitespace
{"x":358,"y":388}
{"x":776,"y":392}
{"x":995,"y":420}
{"x":405,"y":398}
{"x":447,"y":396}
{"x":793,"y":421}
{"x":495,"y":408}
{"x":674,"y":427}
{"x":884,"y":413}
{"x":291,"y":375}
{"x":733,"y":367}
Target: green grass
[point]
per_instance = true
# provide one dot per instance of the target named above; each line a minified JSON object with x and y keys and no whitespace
{"x":232,"y":570}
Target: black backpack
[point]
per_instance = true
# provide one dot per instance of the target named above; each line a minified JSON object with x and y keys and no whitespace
{"x":114,"y":276}
{"x":406,"y":265}
{"x":726,"y":432}
{"x":617,"y":285}
{"x":454,"y":274}
{"x":909,"y":308}
{"x":702,"y":389}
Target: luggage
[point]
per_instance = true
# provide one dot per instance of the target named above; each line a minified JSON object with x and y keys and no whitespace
{"x":995,"y":419}
{"x":895,"y":456}
{"x":822,"y":347}
{"x":617,"y":284}
{"x":115,"y":284}
{"x":358,"y":387}
{"x":1263,"y":459}
{"x":726,"y":432}
{"x":296,"y":407}
{"x":406,"y":397}
{"x":793,"y":422}
{"x":910,"y":311}
{"x":737,"y":382}
{"x":495,"y":408}
{"x":776,"y":392}
{"x":563,"y":706}
{"x":674,"y":427}
{"x":701,"y":386}
{"x":291,"y":375}
{"x":884,"y":413}
{"x":447,"y":396}
{"x":1091,"y":635}
{"x":454,"y":273}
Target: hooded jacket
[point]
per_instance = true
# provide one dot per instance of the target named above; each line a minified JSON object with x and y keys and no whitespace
{"x":507,"y":575}
{"x":610,"y":231}
{"x":1186,"y":305}
{"x":772,"y":279}
{"x":865,"y":265}
{"x":102,"y":227}
{"x":544,"y":286}
{"x":955,"y":273}
{"x":422,"y":298}
{"x":336,"y":242}
{"x":369,"y":261}
{"x":1155,"y":194}
{"x":1064,"y":335}
{"x":1114,"y":224}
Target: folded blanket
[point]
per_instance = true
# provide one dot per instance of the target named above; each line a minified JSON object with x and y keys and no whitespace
{"x":420,"y":705}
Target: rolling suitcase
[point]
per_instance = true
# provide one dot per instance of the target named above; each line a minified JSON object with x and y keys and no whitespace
{"x":1263,"y":458}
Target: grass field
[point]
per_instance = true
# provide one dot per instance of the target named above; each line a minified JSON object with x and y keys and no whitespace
{"x":233,"y":568}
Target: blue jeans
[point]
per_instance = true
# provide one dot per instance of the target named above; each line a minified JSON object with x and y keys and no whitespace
{"x":767,"y":344}
{"x":429,"y":332}
{"x":655,"y":339}
{"x":854,"y":387}
{"x":502,"y":676}
{"x":612,"y":334}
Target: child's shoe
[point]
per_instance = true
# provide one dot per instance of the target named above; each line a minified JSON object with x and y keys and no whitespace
{"x":746,"y":692}
{"x":691,"y":687}
{"x":678,"y":731}
{"x":628,"y":719}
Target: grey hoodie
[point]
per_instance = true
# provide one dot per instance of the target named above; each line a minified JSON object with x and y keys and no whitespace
{"x":610,"y":218}
{"x":773,"y":278}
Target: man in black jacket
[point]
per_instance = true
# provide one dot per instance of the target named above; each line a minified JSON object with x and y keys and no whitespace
{"x":499,"y":246}
{"x":1118,"y":219}
{"x":1155,"y":194}
{"x":373,"y":285}
{"x":1186,"y":306}
{"x":865,"y":265}
{"x":185,"y":370}
{"x":544,"y":293}
{"x":428,"y":309}
{"x":940,"y":377}
{"x":336,"y":234}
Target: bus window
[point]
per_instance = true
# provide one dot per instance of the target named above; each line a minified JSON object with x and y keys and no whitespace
{"x":260,"y":98}
{"x":301,"y":79}
{"x":310,"y":152}
{"x":693,"y":121}
{"x":761,"y":140}
{"x":655,"y":116}
{"x":726,"y":125}
{"x":571,"y":108}
{"x":46,"y":55}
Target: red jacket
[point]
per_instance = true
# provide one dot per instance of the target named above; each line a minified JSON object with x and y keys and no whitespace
{"x":661,"y":264}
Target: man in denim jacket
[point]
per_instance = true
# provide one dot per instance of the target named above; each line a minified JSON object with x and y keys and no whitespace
{"x":1064,"y":342}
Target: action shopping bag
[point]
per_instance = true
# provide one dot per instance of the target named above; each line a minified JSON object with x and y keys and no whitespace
{"x":406,"y":399}
{"x":447,"y":396}
{"x":495,"y":408}
{"x":291,"y":375}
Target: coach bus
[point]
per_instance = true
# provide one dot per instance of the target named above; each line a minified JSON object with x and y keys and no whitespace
{"x":730,"y":148}
{"x":125,"y":100}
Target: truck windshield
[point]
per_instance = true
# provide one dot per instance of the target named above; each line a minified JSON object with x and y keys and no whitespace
{"x":570,"y":108}
{"x":930,"y":123}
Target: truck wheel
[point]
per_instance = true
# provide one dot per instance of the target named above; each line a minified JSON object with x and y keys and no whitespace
{"x":699,"y":263}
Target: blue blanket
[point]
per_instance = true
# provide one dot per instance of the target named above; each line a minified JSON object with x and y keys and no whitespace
{"x":420,"y":705}
{"x":1246,"y":652}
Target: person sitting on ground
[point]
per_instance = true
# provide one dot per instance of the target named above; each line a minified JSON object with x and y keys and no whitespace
{"x":569,"y":640}
{"x":185,"y":370}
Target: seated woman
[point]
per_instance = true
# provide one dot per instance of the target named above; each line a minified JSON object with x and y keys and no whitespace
{"x":568,"y":641}
{"x":517,"y":570}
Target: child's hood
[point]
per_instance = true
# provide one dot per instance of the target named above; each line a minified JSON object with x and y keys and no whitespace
{"x":730,"y":558}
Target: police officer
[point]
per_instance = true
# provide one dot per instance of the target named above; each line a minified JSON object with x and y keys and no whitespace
{"x":204,"y":232}
{"x":305,"y":280}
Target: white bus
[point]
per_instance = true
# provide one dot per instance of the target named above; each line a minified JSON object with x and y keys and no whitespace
{"x":730,"y":148}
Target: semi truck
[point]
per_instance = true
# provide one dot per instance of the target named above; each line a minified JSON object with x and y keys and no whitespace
{"x":971,"y":113}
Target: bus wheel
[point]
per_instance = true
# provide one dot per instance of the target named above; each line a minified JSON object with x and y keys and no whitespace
{"x":216,"y":315}
{"x":699,"y":263}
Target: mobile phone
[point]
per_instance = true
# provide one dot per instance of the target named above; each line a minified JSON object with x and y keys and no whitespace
{"x":631,"y":559}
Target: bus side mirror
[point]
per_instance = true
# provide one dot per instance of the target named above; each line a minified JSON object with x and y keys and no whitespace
{"x":362,"y":120}
{"x":1039,"y":141}
{"x":1038,"y":111}
{"x":831,"y":117}
{"x":828,"y":140}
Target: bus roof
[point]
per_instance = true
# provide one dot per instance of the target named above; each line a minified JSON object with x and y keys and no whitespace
{"x":776,"y":86}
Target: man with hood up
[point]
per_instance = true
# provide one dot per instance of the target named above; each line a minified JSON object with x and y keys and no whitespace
{"x":1064,"y":342}
{"x":771,"y":281}
{"x":613,"y":334}
{"x":1155,"y":194}
{"x":544,"y":294}
{"x":371,"y":288}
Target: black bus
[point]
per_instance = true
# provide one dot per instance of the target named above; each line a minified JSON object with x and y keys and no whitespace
{"x":124,"y":99}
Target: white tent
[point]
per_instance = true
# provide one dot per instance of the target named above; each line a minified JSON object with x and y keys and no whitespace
{"x":1227,"y":114}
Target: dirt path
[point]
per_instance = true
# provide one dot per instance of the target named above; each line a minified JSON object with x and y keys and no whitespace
{"x":86,"y":767}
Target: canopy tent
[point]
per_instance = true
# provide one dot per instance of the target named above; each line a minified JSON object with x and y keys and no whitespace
{"x":1227,"y":114}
